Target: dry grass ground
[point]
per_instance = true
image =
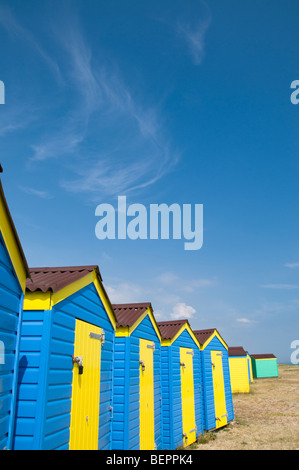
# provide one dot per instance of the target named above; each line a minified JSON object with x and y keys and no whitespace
{"x":267,"y":418}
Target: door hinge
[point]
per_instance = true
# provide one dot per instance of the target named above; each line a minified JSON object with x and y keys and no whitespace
{"x":101,"y":337}
{"x":151,"y":346}
{"x":111,"y":411}
{"x":190,"y":352}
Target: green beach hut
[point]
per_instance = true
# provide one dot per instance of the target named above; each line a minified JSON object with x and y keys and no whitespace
{"x":264,"y":365}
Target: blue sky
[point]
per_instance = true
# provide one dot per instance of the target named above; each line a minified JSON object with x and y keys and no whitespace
{"x":164,"y":102}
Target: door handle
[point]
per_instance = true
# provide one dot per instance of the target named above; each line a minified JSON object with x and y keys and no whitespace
{"x":78,"y":360}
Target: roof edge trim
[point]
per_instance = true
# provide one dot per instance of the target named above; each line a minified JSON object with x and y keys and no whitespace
{"x":39,"y":300}
{"x":12,"y":242}
{"x":127,"y":331}
{"x":185,"y":326}
{"x":213,"y":335}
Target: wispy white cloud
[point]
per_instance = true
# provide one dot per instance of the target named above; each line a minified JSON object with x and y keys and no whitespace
{"x":9,"y":22}
{"x":127,"y":292}
{"x":61,"y":144}
{"x":195,"y":284}
{"x":270,"y":308}
{"x":292,"y":265}
{"x":245,"y":320}
{"x":280,"y":286}
{"x":168,"y":278}
{"x":159,"y":315}
{"x":19,"y":115}
{"x":194,"y":34}
{"x":166,"y":301}
{"x":72,"y":128}
{"x":36,"y":192}
{"x":109,"y":141}
{"x":129,"y":151}
{"x":182,"y":311}
{"x":11,"y":125}
{"x":185,"y":285}
{"x":192,"y":27}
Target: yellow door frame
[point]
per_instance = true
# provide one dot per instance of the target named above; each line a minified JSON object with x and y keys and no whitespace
{"x":187,"y":393}
{"x":146,"y":391}
{"x":219,"y":390}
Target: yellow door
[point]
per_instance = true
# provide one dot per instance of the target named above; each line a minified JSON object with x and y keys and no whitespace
{"x":85,"y":408}
{"x":146,"y":374}
{"x":219,"y":391}
{"x":249,"y":368}
{"x":187,"y":391}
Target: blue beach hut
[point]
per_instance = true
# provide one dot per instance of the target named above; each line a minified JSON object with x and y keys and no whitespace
{"x":13,"y":274}
{"x":64,"y":396}
{"x":137,"y":387}
{"x":182,"y":400}
{"x":218,"y":401}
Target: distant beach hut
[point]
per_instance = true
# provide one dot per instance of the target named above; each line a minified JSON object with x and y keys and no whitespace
{"x":238,"y":365}
{"x":218,"y":401}
{"x":264,"y":365}
{"x":64,"y":398}
{"x":13,"y":274}
{"x":137,"y":381}
{"x":181,"y":372}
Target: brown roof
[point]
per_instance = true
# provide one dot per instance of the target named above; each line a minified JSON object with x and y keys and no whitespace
{"x":54,"y":279}
{"x":14,"y":230}
{"x":203,"y":335}
{"x":169,"y":329}
{"x":127,"y":314}
{"x":236,"y":351}
{"x":263,"y":356}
